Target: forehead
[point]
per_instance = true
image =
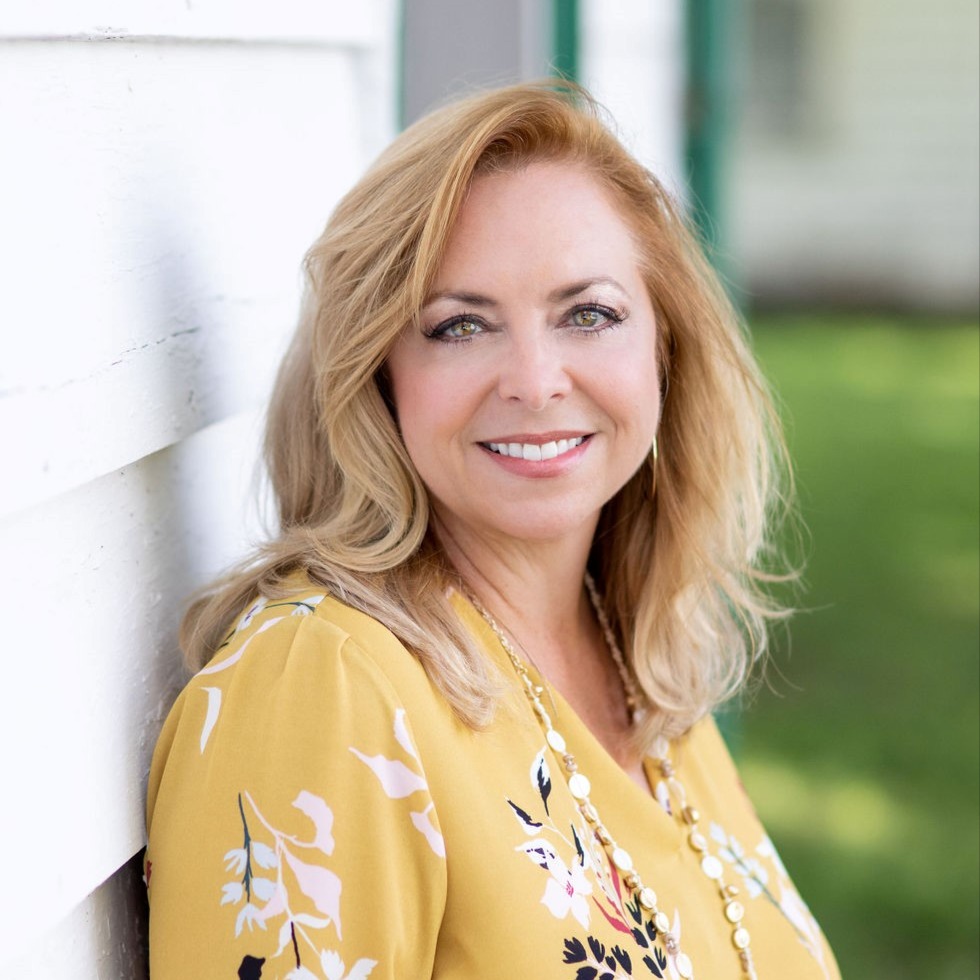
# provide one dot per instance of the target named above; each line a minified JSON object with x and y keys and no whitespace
{"x":558,"y":214}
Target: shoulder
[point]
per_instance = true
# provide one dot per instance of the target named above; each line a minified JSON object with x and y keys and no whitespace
{"x":307,"y":636}
{"x":303,"y":669}
{"x":293,"y":754}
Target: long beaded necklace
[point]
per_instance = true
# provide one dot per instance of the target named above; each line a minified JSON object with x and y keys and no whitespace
{"x":580,"y":788}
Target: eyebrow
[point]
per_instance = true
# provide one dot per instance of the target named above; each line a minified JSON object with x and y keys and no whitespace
{"x":470,"y":299}
{"x":555,"y":296}
{"x":574,"y":288}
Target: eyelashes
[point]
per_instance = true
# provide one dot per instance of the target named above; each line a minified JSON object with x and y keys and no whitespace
{"x":461,"y":327}
{"x":595,"y":316}
{"x":585,"y":318}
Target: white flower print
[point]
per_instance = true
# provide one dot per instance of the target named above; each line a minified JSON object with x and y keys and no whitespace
{"x":301,"y":896}
{"x":793,"y":907}
{"x":754,"y":874}
{"x":399,"y":781}
{"x":766,"y":849}
{"x":777,"y":889}
{"x":333,"y":967}
{"x":300,"y":607}
{"x":567,"y":888}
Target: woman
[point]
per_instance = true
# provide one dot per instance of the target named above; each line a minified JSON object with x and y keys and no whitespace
{"x":454,"y":721}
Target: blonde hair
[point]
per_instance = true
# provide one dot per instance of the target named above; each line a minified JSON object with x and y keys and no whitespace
{"x":680,"y":567}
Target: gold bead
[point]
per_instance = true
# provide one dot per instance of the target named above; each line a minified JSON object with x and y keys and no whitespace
{"x":631,"y":881}
{"x":589,"y":812}
{"x":690,"y":815}
{"x":697,"y":841}
{"x":603,"y":835}
{"x":734,"y":912}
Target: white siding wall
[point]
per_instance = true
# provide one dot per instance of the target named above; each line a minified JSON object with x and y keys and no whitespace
{"x":872,"y":194}
{"x":164,"y":166}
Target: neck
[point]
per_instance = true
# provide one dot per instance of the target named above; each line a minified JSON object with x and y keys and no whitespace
{"x":534,"y":589}
{"x":537,"y":598}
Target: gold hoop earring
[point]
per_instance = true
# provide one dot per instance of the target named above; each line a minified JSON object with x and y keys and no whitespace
{"x":654,"y":458}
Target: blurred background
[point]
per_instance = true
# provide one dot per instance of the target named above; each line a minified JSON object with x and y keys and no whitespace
{"x":167,"y":163}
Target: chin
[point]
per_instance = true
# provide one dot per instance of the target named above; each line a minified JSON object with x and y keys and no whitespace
{"x":545,"y":524}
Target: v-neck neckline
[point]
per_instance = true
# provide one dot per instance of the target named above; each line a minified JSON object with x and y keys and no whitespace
{"x":594,"y":759}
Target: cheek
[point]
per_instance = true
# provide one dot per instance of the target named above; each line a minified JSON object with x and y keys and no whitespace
{"x":411,"y":412}
{"x":407,"y":393}
{"x":425,"y":411}
{"x":629,"y":386}
{"x":436,"y":394}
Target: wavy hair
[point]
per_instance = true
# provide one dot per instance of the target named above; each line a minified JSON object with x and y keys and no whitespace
{"x":683,"y":568}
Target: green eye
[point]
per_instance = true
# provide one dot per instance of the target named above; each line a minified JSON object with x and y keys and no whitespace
{"x":458,"y":328}
{"x":587,"y":318}
{"x":462,"y":328}
{"x":594,"y":318}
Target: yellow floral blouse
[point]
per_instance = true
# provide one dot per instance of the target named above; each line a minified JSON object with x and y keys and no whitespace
{"x":317,"y":811}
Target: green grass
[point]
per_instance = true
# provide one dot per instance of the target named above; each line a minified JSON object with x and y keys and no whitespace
{"x":864,"y":760}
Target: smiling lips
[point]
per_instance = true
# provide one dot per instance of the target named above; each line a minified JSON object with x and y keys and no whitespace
{"x":535,"y":451}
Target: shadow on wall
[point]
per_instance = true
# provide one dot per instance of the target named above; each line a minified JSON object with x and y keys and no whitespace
{"x":119,"y":908}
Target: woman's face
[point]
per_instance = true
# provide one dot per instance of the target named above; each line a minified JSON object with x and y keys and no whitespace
{"x":530,"y":393}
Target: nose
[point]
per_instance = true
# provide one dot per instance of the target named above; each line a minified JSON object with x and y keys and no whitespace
{"x":533,"y":372}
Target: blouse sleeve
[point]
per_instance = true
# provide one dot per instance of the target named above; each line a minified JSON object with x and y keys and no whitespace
{"x":291,"y":830}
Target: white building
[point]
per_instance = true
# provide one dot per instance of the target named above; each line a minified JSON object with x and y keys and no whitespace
{"x":854,"y":174}
{"x":164,"y":166}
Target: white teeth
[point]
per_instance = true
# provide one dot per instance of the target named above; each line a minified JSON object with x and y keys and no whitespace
{"x":533,"y":451}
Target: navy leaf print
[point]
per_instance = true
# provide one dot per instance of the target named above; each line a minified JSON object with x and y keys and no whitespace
{"x":251,"y":968}
{"x":658,"y":965}
{"x":598,"y":950}
{"x":586,"y":973}
{"x":652,"y":967}
{"x":578,"y":847}
{"x":623,"y":958}
{"x":541,"y":779}
{"x":641,"y":940}
{"x":524,"y":817}
{"x":574,"y":951}
{"x":540,"y":853}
